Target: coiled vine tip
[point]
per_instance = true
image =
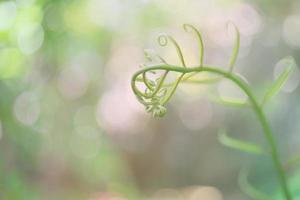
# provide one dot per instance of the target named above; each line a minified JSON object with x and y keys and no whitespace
{"x":157,"y":92}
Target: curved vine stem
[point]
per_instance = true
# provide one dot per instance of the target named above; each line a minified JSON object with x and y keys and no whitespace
{"x":252,"y":100}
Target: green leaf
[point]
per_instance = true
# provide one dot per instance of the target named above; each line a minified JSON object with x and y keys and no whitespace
{"x":277,"y":85}
{"x":239,"y":144}
{"x":249,"y":189}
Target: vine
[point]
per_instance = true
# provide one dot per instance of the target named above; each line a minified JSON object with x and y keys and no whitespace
{"x":157,"y":92}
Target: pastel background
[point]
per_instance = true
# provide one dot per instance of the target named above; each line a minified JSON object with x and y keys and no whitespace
{"x":71,"y":128}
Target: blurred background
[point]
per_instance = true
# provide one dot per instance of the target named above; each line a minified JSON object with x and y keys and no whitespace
{"x":71,"y":128}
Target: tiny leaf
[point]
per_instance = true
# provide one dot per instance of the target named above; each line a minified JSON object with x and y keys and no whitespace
{"x":239,"y":144}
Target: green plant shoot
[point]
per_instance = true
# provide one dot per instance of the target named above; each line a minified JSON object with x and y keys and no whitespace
{"x":155,"y":93}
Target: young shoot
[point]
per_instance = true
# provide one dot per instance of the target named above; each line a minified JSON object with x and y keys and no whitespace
{"x":155,"y":93}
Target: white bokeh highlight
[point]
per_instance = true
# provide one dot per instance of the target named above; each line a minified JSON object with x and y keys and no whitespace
{"x":27,"y":108}
{"x":85,"y":143}
{"x":73,"y":82}
{"x":30,"y":38}
{"x":8,"y":13}
{"x":196,"y":115}
{"x":291,"y":30}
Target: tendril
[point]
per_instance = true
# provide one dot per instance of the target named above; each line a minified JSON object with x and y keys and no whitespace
{"x":172,"y":90}
{"x":163,"y":41}
{"x":158,"y":93}
{"x":186,"y":27}
{"x":147,"y":82}
{"x":154,"y":87}
{"x":149,"y":54}
{"x":236,"y":46}
{"x":160,"y":83}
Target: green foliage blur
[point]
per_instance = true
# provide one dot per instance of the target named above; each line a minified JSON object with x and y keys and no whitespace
{"x":70,"y":127}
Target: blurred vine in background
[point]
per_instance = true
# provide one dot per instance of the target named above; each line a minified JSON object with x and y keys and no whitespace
{"x":152,"y":88}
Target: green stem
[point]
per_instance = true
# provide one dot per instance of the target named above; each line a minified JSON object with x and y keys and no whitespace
{"x":256,"y":107}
